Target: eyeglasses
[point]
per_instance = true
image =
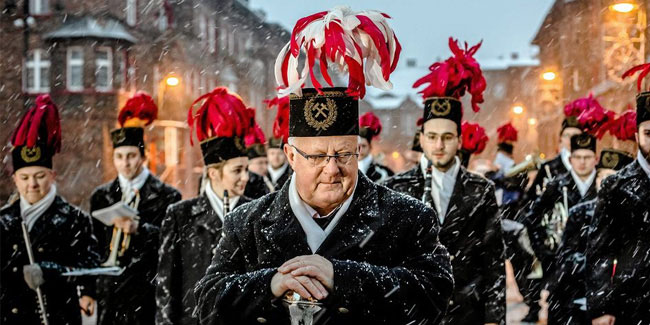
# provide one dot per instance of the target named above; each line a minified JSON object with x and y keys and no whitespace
{"x":578,"y":157}
{"x":322,"y":160}
{"x":446,"y":138}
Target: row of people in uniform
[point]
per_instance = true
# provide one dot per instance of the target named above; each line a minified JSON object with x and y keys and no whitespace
{"x":329,"y":245}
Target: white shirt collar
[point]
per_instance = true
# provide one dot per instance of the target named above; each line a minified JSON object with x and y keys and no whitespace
{"x":274,"y":174}
{"x":129,"y":186}
{"x":583,"y":186}
{"x":442,"y":185}
{"x":564,"y":156}
{"x":216,"y":203}
{"x":305,"y":214}
{"x":643,"y":162}
{"x":364,"y":164}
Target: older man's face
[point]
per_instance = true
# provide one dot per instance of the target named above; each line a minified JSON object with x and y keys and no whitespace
{"x":326,"y":184}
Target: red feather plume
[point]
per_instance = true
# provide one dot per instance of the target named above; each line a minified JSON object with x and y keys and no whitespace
{"x":624,"y":127}
{"x":458,"y":74}
{"x":222,"y":114}
{"x":359,"y":43}
{"x":281,"y":123}
{"x":644,"y":68}
{"x":507,"y":133}
{"x":474,"y":137}
{"x":254,"y":135}
{"x":593,"y":118}
{"x":139,"y":111}
{"x":40,"y":122}
{"x":370,"y":121}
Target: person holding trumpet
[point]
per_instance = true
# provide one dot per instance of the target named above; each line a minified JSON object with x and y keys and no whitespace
{"x":131,"y":243}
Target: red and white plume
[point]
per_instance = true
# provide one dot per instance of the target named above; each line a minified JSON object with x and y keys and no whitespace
{"x":281,"y":123}
{"x":593,"y":117}
{"x":370,"y":121}
{"x":222,"y":114}
{"x":453,"y":77}
{"x":507,"y":133}
{"x":644,"y":68}
{"x":41,"y":121}
{"x":359,"y":43}
{"x":254,"y":134}
{"x":624,"y":127}
{"x":139,"y":111}
{"x":474,"y":137}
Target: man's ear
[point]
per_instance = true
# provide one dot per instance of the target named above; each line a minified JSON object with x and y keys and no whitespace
{"x":213,"y":173}
{"x":460,"y":143}
{"x":290,"y":154}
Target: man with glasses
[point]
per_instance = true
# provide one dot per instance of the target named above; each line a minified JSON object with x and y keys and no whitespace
{"x":330,"y":236}
{"x":464,"y":205}
{"x":547,"y":216}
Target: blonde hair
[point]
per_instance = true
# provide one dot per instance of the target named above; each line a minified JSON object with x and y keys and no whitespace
{"x":205,"y":179}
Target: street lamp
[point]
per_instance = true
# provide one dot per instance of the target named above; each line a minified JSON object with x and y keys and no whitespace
{"x":549,"y":75}
{"x":518,"y":109}
{"x":532,"y":121}
{"x":172,"y":81}
{"x":623,"y":6}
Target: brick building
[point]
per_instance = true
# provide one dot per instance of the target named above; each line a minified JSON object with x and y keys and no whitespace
{"x":92,"y":55}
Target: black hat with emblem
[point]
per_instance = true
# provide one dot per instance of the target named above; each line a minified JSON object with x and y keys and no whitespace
{"x":446,"y":85}
{"x":614,"y":159}
{"x":329,"y":113}
{"x":642,"y":107}
{"x":38,"y":136}
{"x":571,"y":122}
{"x":221,"y":122}
{"x":139,"y":111}
{"x":583,"y":141}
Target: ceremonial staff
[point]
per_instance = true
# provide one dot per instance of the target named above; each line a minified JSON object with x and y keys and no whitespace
{"x":39,"y":293}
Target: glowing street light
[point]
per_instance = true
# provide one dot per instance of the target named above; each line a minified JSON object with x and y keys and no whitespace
{"x":623,"y":6}
{"x":549,"y":76}
{"x":518,"y":109}
{"x":172,"y":81}
{"x":532,"y":121}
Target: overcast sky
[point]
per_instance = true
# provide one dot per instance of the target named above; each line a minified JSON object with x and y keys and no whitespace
{"x":423,"y":27}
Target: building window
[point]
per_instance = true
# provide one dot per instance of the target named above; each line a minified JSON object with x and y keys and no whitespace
{"x":39,"y":7}
{"x":212,"y":41}
{"x":121,"y":72}
{"x":75,"y":69}
{"x":162,"y":19}
{"x":131,"y":12}
{"x":103,"y":69}
{"x":203,"y":26}
{"x":36,"y":75}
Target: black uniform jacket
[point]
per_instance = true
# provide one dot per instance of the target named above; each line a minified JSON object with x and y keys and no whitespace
{"x":621,"y":233}
{"x":130,"y":297}
{"x":61,"y":237}
{"x":189,"y":235}
{"x":389,"y":267}
{"x":472,"y":233}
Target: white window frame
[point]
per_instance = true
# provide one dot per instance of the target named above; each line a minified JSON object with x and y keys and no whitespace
{"x":39,"y":7}
{"x":163,"y":24}
{"x":131,"y":11}
{"x":108,"y":63}
{"x":212,"y":37}
{"x":74,"y":62}
{"x":39,"y":61}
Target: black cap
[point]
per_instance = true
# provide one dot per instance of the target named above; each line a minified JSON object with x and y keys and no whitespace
{"x":256,"y":150}
{"x":583,"y":141}
{"x":332,"y":113}
{"x":614,"y":159}
{"x":571,"y":122}
{"x":130,"y":136}
{"x":367,"y":134}
{"x":276,"y":143}
{"x":443,"y":107}
{"x":415,"y":145}
{"x":506,"y":147}
{"x":218,"y":149}
{"x":642,"y":107}
{"x":38,"y":155}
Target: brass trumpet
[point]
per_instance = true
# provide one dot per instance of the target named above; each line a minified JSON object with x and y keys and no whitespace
{"x":120,"y":244}
{"x":532,"y":162}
